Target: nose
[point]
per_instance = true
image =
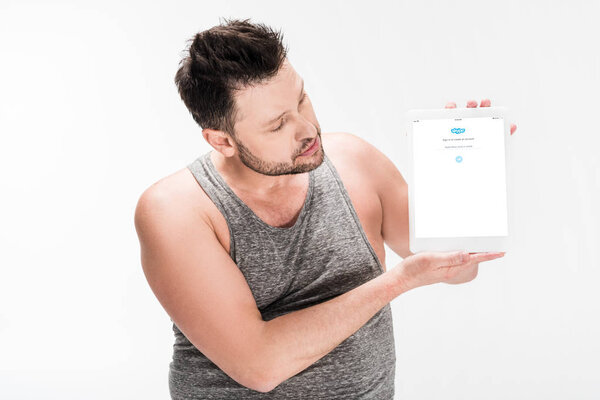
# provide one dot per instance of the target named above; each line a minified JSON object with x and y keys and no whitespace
{"x":306,"y":131}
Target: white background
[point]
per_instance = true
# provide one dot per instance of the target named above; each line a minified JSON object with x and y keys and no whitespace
{"x":90,"y":117}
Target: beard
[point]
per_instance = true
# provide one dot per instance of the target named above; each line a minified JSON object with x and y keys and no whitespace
{"x":279,"y":168}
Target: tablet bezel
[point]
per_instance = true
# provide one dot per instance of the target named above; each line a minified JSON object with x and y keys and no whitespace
{"x":470,"y":244}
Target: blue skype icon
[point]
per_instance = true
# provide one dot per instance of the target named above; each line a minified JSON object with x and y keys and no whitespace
{"x":458,"y":159}
{"x":458,"y":130}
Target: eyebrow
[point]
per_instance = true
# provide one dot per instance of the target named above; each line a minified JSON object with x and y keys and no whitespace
{"x":285,"y":112}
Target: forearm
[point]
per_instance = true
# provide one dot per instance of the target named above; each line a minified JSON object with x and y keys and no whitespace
{"x":294,"y":341}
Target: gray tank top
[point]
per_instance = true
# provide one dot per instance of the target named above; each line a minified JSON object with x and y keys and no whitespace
{"x":325,"y":254}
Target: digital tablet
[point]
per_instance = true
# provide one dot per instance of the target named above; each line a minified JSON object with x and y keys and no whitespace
{"x":459,"y":187}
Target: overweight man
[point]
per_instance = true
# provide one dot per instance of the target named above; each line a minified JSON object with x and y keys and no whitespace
{"x":267,"y":252}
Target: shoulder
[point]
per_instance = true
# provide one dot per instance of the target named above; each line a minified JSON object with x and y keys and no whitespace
{"x":349,"y":152}
{"x":345,"y":143}
{"x":351,"y":147}
{"x":173,"y":201}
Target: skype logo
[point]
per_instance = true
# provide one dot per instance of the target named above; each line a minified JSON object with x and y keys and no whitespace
{"x":458,"y":130}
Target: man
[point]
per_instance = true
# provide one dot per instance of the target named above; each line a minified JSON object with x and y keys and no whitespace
{"x":268,"y":251}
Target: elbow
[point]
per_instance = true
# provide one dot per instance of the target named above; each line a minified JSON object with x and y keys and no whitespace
{"x":264,"y":380}
{"x":259,"y":367}
{"x":403,"y":252}
{"x":407,"y":253}
{"x":249,"y":377}
{"x":400,"y":247}
{"x":257,"y":373}
{"x":263,"y":387}
{"x":257,"y":382}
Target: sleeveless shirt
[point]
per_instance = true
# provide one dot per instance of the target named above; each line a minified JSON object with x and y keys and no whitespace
{"x":323,"y":255}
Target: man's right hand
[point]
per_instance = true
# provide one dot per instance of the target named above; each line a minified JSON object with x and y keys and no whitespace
{"x":427,"y":268}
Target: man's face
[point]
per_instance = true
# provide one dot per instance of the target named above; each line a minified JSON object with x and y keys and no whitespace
{"x":271,"y":143}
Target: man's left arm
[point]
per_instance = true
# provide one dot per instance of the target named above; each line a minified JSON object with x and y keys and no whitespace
{"x":393,"y":195}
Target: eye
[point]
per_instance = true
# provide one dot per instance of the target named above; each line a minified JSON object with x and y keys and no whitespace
{"x":279,"y":127}
{"x":283,"y":121}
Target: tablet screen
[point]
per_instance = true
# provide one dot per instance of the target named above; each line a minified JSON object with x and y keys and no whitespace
{"x":459,"y":177}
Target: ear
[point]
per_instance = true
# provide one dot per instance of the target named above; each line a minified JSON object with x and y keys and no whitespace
{"x":220,"y":141}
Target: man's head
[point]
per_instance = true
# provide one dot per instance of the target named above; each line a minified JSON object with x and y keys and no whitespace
{"x":242,"y":90}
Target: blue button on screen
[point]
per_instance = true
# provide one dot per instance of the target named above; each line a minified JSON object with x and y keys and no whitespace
{"x":458,"y":158}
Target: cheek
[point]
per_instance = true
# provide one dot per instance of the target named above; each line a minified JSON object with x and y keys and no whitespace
{"x":276,"y":149}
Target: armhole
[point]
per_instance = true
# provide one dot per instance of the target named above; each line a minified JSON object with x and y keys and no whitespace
{"x":193,"y":168}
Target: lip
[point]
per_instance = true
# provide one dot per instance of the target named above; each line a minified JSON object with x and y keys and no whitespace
{"x":312,"y":148}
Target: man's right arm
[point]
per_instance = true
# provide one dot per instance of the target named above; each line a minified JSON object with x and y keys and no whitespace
{"x":298,"y":339}
{"x":209,"y":300}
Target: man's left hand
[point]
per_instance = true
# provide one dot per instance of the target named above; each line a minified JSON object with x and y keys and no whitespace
{"x":484,"y":103}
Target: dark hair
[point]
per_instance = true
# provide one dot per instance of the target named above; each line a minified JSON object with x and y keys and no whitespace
{"x":222,"y":59}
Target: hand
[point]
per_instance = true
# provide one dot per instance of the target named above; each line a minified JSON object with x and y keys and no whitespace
{"x":484,"y":103}
{"x":427,"y":268}
{"x":469,"y":272}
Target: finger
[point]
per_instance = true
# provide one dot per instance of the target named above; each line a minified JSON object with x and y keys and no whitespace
{"x":450,"y":259}
{"x":471,"y":104}
{"x":486,"y":103}
{"x":513,"y":128}
{"x":480,"y":257}
{"x":450,"y":104}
